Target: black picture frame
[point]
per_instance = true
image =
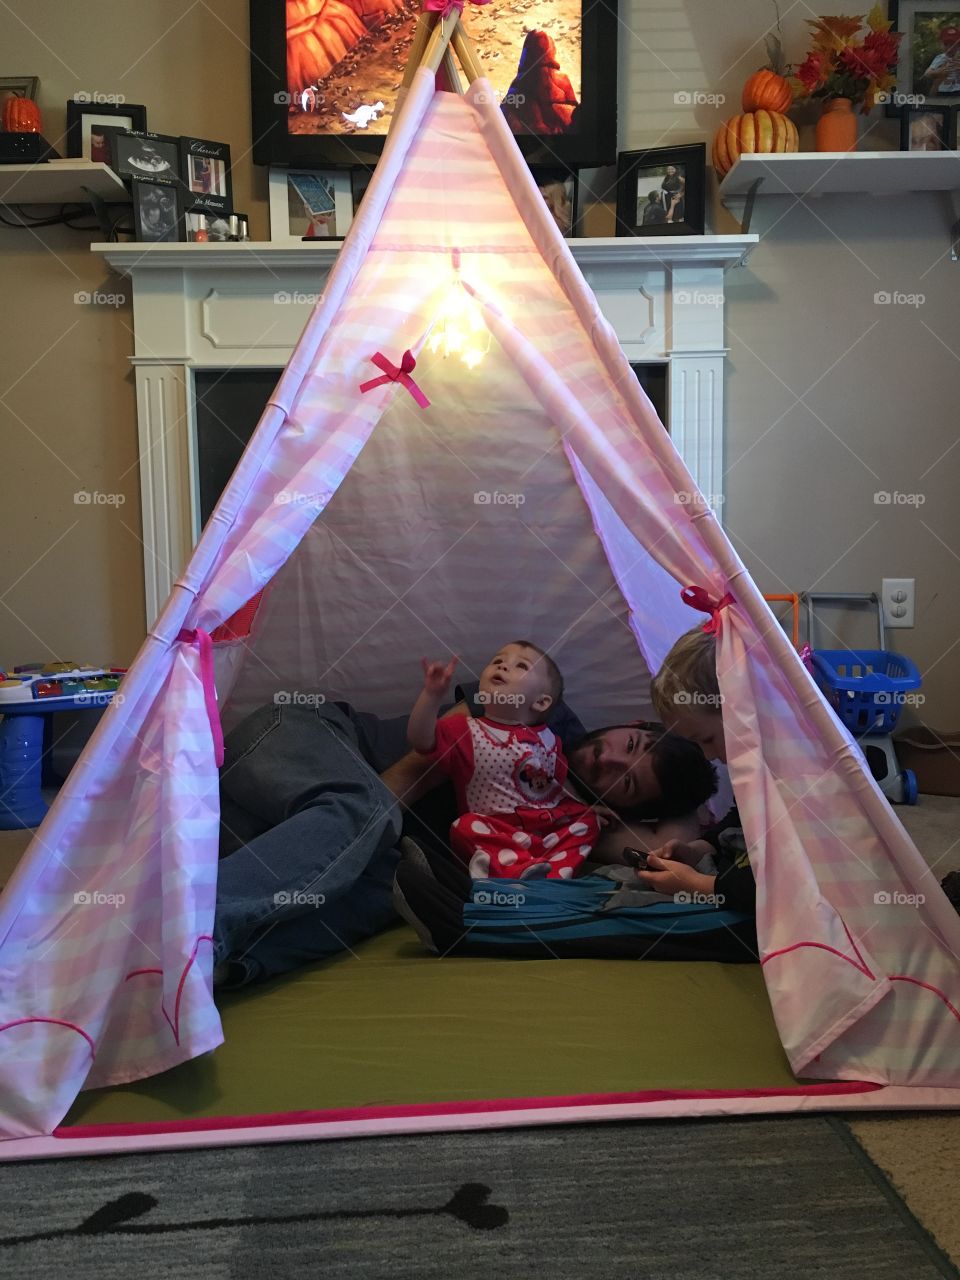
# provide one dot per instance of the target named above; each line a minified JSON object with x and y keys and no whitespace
{"x":908,"y":94}
{"x":206,"y":174}
{"x":676,"y":212}
{"x":214,"y":223}
{"x":359,"y":181}
{"x":560,"y":190}
{"x":130,"y":153}
{"x":594,"y":141}
{"x":157,"y":210}
{"x":77,"y":111}
{"x":910,"y":119}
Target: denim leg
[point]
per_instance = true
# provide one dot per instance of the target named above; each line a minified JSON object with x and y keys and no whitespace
{"x":284,"y":944}
{"x":299,"y":770}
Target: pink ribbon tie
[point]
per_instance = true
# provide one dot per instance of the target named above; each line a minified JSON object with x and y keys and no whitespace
{"x":397,"y":373}
{"x":202,"y":638}
{"x":447,"y":7}
{"x":701,"y":599}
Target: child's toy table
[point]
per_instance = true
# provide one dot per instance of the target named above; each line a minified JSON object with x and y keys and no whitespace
{"x":28,"y":698}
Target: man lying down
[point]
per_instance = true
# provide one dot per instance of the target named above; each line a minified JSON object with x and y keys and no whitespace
{"x":647,"y":884}
{"x":323,"y":806}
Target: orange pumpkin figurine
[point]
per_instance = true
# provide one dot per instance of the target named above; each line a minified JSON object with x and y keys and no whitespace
{"x":20,"y":115}
{"x":754,"y":131}
{"x":767,"y":90}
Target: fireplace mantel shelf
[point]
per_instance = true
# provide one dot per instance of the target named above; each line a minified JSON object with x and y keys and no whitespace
{"x":727,"y":251}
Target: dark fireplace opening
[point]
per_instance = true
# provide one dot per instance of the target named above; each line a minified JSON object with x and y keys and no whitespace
{"x":230,"y":402}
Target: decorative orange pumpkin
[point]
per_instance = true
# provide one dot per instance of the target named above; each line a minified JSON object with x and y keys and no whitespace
{"x":20,"y":115}
{"x":754,"y":131}
{"x":767,"y":91}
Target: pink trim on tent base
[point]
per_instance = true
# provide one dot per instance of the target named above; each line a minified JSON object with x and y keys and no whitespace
{"x":476,"y":1107}
{"x":304,"y":1126}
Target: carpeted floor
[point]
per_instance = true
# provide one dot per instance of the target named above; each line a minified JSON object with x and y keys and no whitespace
{"x":711,"y":1200}
{"x":919,"y":1153}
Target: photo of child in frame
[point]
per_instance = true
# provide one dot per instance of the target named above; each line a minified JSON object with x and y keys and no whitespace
{"x":206,"y":175}
{"x":925,"y":130}
{"x":559,"y":192}
{"x":936,"y":55}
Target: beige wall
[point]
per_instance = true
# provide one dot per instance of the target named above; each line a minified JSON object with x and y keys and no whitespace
{"x":73,"y":575}
{"x":878,"y":383}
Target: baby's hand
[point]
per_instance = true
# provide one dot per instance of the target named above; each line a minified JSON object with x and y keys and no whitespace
{"x":437,"y":676}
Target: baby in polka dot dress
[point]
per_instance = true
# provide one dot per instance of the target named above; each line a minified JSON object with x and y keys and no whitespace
{"x":516,"y":817}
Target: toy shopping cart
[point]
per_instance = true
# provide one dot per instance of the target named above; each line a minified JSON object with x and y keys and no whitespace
{"x":867,"y":688}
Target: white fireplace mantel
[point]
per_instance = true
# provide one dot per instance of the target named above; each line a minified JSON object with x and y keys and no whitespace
{"x":244,"y":306}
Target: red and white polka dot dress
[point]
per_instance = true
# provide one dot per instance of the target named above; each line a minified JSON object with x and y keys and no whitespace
{"x":516,"y":818}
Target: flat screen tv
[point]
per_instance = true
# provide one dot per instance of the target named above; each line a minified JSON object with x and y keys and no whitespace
{"x":325,"y":80}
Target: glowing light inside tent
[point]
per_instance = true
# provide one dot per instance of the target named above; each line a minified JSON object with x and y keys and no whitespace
{"x":459,"y":329}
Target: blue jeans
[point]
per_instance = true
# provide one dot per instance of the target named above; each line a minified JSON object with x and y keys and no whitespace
{"x":309,"y":832}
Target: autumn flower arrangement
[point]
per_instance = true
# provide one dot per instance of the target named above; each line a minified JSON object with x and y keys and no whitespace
{"x":843,"y":63}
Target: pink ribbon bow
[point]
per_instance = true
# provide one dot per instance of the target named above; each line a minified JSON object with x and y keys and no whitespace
{"x":202,"y":638}
{"x":447,"y":7}
{"x":700,"y":598}
{"x":397,"y":373}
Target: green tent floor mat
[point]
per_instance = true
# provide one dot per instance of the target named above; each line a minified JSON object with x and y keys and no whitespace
{"x":390,"y":1025}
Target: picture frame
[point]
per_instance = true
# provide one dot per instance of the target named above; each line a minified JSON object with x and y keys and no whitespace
{"x":559,"y":188}
{"x":660,"y":191}
{"x":84,"y":117}
{"x":138,"y":154}
{"x":359,"y":181}
{"x":928,"y":65}
{"x":205,"y":226}
{"x":19,"y":87}
{"x":302,"y":200}
{"x":157,"y":210}
{"x":206,"y":175}
{"x":927,"y":129}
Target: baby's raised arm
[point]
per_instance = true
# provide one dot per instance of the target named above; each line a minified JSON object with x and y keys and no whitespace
{"x":422,"y":725}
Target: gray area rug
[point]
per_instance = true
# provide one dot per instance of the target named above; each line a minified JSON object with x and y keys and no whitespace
{"x":771,"y":1199}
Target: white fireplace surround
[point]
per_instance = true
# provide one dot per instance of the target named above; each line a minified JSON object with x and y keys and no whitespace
{"x":244,"y":306}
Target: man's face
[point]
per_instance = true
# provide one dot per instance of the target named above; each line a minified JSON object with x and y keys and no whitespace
{"x":616,"y":765}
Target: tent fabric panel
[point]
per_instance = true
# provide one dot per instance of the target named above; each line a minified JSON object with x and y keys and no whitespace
{"x":118,"y":908}
{"x":419,"y":564}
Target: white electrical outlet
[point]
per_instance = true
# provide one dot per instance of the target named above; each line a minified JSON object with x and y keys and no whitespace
{"x":898,"y":597}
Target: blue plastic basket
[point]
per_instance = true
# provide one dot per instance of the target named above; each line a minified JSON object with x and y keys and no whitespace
{"x":866,"y":687}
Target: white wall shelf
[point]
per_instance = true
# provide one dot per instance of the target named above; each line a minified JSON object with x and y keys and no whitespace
{"x":59,"y":182}
{"x":823,"y":173}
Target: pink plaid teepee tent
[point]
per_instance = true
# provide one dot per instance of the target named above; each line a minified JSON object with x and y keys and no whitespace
{"x":94,"y":993}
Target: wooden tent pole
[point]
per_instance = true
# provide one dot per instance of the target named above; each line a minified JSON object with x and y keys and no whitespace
{"x":437,"y":45}
{"x":430,"y":47}
{"x":467,"y":54}
{"x":451,"y":72}
{"x":421,"y":34}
